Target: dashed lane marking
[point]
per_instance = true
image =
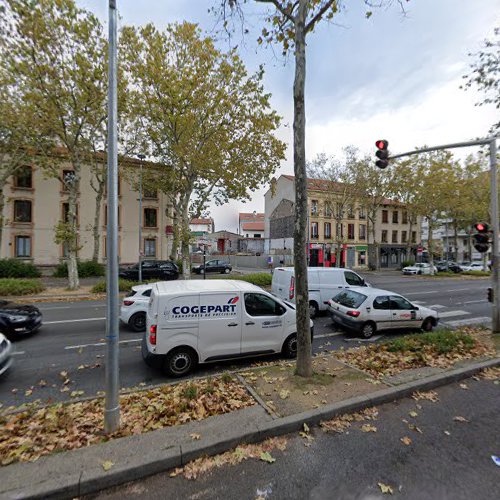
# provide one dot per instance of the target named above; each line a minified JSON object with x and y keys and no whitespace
{"x":72,"y":321}
{"x":469,"y":321}
{"x":450,"y":314}
{"x":99,"y":344}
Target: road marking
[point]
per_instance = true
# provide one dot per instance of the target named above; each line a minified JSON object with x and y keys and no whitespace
{"x":462,"y":289}
{"x":474,"y":301}
{"x":436,"y":306}
{"x":101,"y":344}
{"x":18,"y":353}
{"x":72,"y":321}
{"x":449,"y":314}
{"x":68,"y":307}
{"x":331,"y":334}
{"x":420,"y":293}
{"x":469,"y":321}
{"x":418,"y":302}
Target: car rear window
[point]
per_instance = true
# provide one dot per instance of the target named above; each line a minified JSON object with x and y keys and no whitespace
{"x":349,"y":298}
{"x":131,"y":293}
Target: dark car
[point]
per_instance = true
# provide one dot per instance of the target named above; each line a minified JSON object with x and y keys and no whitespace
{"x":151,"y":269}
{"x":443,"y":266}
{"x":18,"y":320}
{"x":213,"y":266}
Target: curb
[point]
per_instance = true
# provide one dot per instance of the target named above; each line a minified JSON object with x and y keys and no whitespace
{"x":86,"y":482}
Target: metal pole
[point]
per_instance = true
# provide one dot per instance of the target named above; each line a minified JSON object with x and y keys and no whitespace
{"x":112,"y":402}
{"x":446,"y":242}
{"x":495,"y":257}
{"x":141,"y":157}
{"x":204,"y":262}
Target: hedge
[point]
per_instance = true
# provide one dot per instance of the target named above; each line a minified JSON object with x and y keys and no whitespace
{"x":123,"y":286}
{"x":15,"y":286}
{"x":86,"y":269}
{"x":13,"y":268}
{"x":259,"y":279}
{"x":477,"y":273}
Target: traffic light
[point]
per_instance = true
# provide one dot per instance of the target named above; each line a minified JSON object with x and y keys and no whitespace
{"x":382,"y":153}
{"x":490,"y":294}
{"x":482,"y":237}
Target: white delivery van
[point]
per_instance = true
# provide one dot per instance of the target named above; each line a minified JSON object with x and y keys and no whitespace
{"x":323,"y":283}
{"x":192,"y":321}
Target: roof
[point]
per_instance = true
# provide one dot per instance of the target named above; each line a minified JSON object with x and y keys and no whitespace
{"x":201,"y":221}
{"x":174,"y":287}
{"x":253,"y":226}
{"x":251,"y":216}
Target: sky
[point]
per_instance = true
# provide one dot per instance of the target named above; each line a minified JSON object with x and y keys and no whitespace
{"x":393,"y":76}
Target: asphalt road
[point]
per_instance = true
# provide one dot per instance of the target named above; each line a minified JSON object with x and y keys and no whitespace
{"x":72,"y":340}
{"x":449,"y":459}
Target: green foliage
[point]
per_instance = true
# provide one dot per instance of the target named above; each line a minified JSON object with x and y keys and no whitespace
{"x":477,"y":273}
{"x":179,"y":265}
{"x":407,"y":263}
{"x":443,"y":341}
{"x":259,"y":279}
{"x":190,"y":392}
{"x":13,"y":268}
{"x":86,"y":269}
{"x":226,"y":377}
{"x":11,"y":286}
{"x":123,"y":286}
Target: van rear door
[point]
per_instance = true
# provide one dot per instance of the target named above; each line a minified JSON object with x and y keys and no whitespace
{"x":282,"y":283}
{"x":220,"y":325}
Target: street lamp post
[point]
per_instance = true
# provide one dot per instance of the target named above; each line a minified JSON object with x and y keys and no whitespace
{"x":141,"y":157}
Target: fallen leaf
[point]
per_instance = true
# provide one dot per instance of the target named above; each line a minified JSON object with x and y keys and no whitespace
{"x":385,"y":488}
{"x":194,"y":436}
{"x":42,"y":383}
{"x":413,"y":414}
{"x":306,"y":428}
{"x":29,"y":392}
{"x":265,"y":456}
{"x":75,"y":394}
{"x":447,"y":433}
{"x":14,"y":391}
{"x":368,"y":428}
{"x":64,"y":374}
{"x":107,"y":465}
{"x":429,"y":396}
{"x":460,"y":419}
{"x":464,"y":386}
{"x":284,"y":393}
{"x":406,"y":440}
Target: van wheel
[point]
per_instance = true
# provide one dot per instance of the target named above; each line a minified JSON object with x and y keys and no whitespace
{"x":290,"y":346}
{"x":313,"y":309}
{"x":368,"y":330}
{"x":180,"y":362}
{"x":428,"y":325}
{"x":138,"y":322}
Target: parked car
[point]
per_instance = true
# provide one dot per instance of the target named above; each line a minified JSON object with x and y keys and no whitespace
{"x":135,"y":307}
{"x":444,"y":266}
{"x":323,"y":282}
{"x":5,"y":354}
{"x":151,"y":269}
{"x":474,"y":266}
{"x":213,"y":266}
{"x":191,"y":322}
{"x":366,"y":311}
{"x":419,"y":268}
{"x":18,"y":320}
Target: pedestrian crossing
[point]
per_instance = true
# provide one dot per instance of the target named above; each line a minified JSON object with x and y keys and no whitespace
{"x":447,"y":314}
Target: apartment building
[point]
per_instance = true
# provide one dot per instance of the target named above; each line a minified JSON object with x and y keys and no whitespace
{"x":35,"y":204}
{"x":397,"y":239}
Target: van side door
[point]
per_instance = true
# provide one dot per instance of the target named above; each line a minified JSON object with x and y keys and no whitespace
{"x":263,"y":324}
{"x":220,"y":325}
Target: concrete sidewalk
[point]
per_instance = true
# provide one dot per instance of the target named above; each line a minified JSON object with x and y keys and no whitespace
{"x":79,"y":472}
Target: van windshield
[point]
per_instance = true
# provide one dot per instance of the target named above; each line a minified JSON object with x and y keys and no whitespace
{"x":349,"y":298}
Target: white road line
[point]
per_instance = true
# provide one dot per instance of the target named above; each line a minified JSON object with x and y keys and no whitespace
{"x":71,"y":321}
{"x":18,"y":353}
{"x":475,"y":301}
{"x":469,"y":321}
{"x":449,"y":314}
{"x":331,"y":334}
{"x":461,"y":289}
{"x":436,"y":306}
{"x":420,"y":293}
{"x":101,"y":344}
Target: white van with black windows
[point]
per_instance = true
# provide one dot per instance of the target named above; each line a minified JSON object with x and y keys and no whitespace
{"x":323,"y":283}
{"x":191,"y":322}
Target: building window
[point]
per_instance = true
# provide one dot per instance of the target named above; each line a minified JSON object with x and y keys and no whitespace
{"x":68,"y":177}
{"x":24,"y":177}
{"x":328,"y":230}
{"x":362,"y":231}
{"x":395,"y":217}
{"x":23,"y":246}
{"x":414,"y":236}
{"x":150,"y":247}
{"x":403,"y":236}
{"x":328,"y":210}
{"x":256,"y":235}
{"x":314,"y":230}
{"x":394,"y":236}
{"x":350,"y":231}
{"x":362,"y":213}
{"x":150,"y":217}
{"x":362,"y":258}
{"x":65,"y":212}
{"x":350,"y":212}
{"x":22,"y":211}
{"x":314,"y":207}
{"x":151,"y":194}
{"x":384,"y":236}
{"x":385,"y":216}
{"x":405,"y":217}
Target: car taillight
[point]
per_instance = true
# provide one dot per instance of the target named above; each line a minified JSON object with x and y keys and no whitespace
{"x":354,"y":314}
{"x":152,"y":334}
{"x":292,"y":288}
{"x":128,"y":302}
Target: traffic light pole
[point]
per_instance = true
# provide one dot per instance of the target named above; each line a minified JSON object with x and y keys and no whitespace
{"x":495,"y":259}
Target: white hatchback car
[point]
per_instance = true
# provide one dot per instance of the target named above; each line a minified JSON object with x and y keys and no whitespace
{"x":135,"y":306}
{"x":5,"y":354}
{"x":419,"y":268}
{"x":474,"y":266}
{"x":370,"y":309}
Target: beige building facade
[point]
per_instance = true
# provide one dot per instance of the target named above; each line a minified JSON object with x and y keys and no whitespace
{"x":36,"y":203}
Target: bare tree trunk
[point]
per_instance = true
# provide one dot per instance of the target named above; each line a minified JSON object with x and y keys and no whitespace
{"x":430,"y":245}
{"x":73,"y":281}
{"x":409,"y":242}
{"x":97,"y":219}
{"x":455,"y":242}
{"x":376,"y":252}
{"x":338,"y":254}
{"x":469,"y":245}
{"x":2,"y":204}
{"x":184,"y":236}
{"x":304,"y":358}
{"x":175,"y":240}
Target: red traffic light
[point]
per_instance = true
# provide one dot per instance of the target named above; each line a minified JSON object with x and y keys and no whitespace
{"x":382,"y":144}
{"x":481,"y":227}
